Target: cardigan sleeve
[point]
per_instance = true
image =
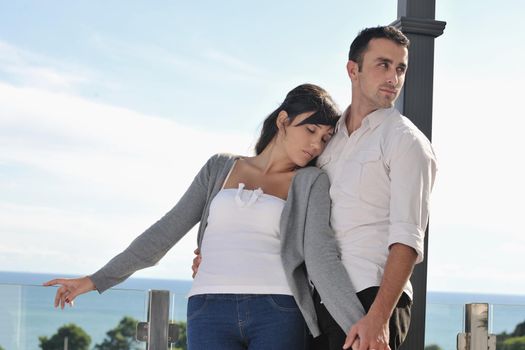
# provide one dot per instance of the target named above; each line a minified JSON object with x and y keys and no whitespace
{"x":323,"y":262}
{"x":148,"y":248}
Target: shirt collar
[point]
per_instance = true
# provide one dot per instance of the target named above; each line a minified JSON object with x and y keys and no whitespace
{"x":378,"y":116}
{"x":373,"y":119}
{"x":341,"y":123}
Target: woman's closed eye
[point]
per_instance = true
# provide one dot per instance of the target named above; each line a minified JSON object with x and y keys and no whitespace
{"x":327,"y":138}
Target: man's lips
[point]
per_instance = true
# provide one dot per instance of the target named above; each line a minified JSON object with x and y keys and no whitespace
{"x":388,"y":91}
{"x":308,"y":153}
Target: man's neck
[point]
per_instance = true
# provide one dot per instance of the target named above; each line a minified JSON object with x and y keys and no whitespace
{"x":355,"y":113}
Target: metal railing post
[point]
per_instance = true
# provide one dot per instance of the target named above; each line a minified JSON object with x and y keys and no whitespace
{"x":157,"y":332}
{"x":476,"y":333}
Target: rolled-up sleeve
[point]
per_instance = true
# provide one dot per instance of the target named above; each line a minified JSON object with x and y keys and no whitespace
{"x":412,"y":173}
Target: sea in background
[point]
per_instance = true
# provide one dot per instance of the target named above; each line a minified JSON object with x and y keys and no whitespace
{"x":26,"y":310}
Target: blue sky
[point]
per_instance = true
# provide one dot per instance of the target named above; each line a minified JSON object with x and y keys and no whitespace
{"x":108,"y":109}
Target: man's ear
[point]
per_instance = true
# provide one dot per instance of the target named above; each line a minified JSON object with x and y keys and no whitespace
{"x":352,"y":68}
{"x":282,"y":120}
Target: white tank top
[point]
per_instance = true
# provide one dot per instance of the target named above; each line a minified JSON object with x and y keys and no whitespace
{"x":241,"y":250}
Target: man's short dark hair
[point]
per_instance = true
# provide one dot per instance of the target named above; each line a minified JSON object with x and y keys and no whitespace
{"x":360,"y":43}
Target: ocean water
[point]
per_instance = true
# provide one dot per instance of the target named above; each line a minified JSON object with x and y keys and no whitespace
{"x":27,"y":312}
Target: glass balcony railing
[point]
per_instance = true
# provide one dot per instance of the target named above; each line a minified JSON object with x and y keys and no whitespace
{"x":507,"y":322}
{"x":27,"y":313}
{"x":27,"y":318}
{"x":178,"y":304}
{"x":442,"y":324}
{"x":445,"y":321}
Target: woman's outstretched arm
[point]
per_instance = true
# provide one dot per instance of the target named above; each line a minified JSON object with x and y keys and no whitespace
{"x":148,"y":248}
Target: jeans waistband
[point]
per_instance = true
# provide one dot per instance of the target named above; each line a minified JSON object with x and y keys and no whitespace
{"x":231,"y":296}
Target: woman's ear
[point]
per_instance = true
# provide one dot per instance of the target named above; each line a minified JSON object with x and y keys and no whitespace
{"x":282,"y":120}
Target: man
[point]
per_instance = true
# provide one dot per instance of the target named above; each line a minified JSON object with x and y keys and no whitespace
{"x":381,"y":169}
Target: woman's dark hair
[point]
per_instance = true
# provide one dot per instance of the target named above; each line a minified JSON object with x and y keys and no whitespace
{"x":304,"y":98}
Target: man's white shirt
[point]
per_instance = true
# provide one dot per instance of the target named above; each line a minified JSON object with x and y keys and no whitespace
{"x":381,"y":178}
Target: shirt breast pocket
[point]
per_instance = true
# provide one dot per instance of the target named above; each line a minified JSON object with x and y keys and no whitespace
{"x":374,"y":186}
{"x":362,"y":177}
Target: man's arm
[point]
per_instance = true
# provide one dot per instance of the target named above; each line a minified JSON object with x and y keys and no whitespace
{"x":372,"y":330}
{"x":412,"y":170}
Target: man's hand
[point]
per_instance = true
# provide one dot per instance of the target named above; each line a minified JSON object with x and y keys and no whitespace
{"x":196,"y":262}
{"x":369,"y":333}
{"x":372,"y":332}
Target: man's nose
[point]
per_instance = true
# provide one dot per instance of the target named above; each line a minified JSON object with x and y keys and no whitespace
{"x":393,"y":78}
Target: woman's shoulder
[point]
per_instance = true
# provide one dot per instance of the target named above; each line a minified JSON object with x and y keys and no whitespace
{"x":221,"y":159}
{"x":310,"y":171}
{"x":310,"y":183}
{"x":309,"y":174}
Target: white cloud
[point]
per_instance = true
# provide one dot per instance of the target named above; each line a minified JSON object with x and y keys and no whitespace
{"x":476,"y":216}
{"x":232,"y":62}
{"x":31,"y":69}
{"x":477,"y":140}
{"x":476,"y":279}
{"x":100,"y":144}
{"x":43,"y":77}
{"x":109,"y":173}
{"x":147,"y":52}
{"x":214,"y":65}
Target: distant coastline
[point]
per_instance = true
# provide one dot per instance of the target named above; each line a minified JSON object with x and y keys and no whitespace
{"x":136,"y":283}
{"x":182,"y":286}
{"x":440,"y":297}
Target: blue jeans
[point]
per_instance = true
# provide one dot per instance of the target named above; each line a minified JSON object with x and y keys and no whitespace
{"x":245,"y":321}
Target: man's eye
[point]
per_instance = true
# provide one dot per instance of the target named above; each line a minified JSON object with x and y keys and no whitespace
{"x":311,"y":130}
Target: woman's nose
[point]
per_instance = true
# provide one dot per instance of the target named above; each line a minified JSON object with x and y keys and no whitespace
{"x":316,"y":144}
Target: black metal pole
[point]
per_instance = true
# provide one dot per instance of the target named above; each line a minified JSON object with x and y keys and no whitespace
{"x":416,"y":21}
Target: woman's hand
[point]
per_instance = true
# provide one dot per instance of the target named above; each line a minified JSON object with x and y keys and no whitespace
{"x":69,"y":289}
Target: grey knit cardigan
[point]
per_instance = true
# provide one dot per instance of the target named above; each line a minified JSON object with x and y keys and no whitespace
{"x":308,"y":246}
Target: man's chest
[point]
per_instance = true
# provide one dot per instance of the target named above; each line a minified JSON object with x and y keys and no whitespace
{"x":357,"y":169}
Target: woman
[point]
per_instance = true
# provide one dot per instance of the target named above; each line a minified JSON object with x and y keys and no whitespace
{"x":264,"y":236}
